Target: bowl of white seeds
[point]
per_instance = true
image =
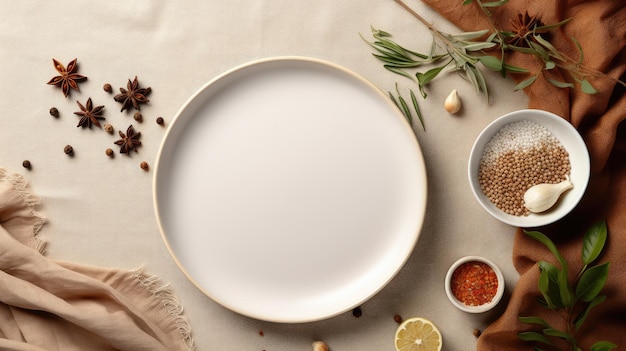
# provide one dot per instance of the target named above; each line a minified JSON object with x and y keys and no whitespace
{"x":529,"y":168}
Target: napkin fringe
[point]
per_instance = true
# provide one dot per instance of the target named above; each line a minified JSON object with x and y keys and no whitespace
{"x":31,"y":201}
{"x":169,"y":300}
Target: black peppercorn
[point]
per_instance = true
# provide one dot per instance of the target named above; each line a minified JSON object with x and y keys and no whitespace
{"x":160,"y":121}
{"x":69,"y":150}
{"x":26,"y":164}
{"x":54,"y":112}
{"x":138,"y":117}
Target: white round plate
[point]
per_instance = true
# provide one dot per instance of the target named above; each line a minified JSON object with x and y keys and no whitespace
{"x":290,"y":189}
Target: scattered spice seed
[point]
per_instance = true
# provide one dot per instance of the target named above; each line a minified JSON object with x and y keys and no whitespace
{"x":397,"y":318}
{"x":138,"y":117}
{"x":54,"y":112}
{"x":261,"y":333}
{"x":108,"y":88}
{"x":26,"y":164}
{"x":476,"y":333}
{"x":144,"y":165}
{"x":109,"y":152}
{"x":108,"y":128}
{"x":160,"y":121}
{"x":68,"y":78}
{"x":69,"y":150}
{"x":474,"y":283}
{"x":357,"y":312}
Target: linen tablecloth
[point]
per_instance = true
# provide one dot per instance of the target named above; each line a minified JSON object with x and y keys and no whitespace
{"x":99,"y":209}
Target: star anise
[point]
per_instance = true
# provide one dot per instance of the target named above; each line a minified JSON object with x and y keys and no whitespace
{"x":130,"y":140}
{"x":132,"y":95}
{"x":68,"y":77}
{"x":89,"y":115}
{"x":522,"y":27}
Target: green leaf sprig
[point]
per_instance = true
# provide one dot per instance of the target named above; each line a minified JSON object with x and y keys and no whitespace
{"x":576,"y":299}
{"x":468,"y":52}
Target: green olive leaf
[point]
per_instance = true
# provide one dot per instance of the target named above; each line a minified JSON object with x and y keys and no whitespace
{"x":602,"y":346}
{"x":549,"y":285}
{"x":526,"y":82}
{"x":417,"y":109}
{"x":550,"y":65}
{"x":560,"y":84}
{"x":542,"y":238}
{"x":594,"y":241}
{"x":426,"y":77}
{"x":559,"y":334}
{"x":534,"y":336}
{"x":534,"y":320}
{"x":591,"y":282}
{"x":587,"y":88}
{"x":478,"y":46}
{"x":514,"y":69}
{"x":494,"y":3}
{"x":567,"y":297}
{"x":491,"y":62}
{"x":580,"y":319}
{"x":471,"y":35}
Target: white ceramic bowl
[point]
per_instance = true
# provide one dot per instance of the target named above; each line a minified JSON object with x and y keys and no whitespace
{"x":573,"y":143}
{"x":480,"y":308}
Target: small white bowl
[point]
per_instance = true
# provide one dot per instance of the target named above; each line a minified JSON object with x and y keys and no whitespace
{"x":573,"y":143}
{"x":480,"y":308}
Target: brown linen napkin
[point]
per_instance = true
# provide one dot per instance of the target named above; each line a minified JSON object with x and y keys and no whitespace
{"x":50,"y":305}
{"x":600,"y":27}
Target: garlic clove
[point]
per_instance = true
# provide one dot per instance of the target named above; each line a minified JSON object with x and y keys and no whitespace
{"x":542,"y":197}
{"x":453,"y":102}
{"x":319,"y":346}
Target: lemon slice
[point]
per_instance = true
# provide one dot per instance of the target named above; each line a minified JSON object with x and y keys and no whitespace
{"x":418,"y":334}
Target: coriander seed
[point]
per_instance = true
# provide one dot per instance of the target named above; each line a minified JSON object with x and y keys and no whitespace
{"x":108,"y":128}
{"x":54,"y":112}
{"x":144,"y":165}
{"x":69,"y":150}
{"x":107,"y":87}
{"x":138,"y":117}
{"x":26,"y":164}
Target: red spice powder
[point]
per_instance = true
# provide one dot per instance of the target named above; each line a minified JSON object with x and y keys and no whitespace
{"x":474,"y":283}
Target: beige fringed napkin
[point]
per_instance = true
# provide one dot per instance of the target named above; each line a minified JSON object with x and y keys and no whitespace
{"x":50,"y":305}
{"x":600,"y":27}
